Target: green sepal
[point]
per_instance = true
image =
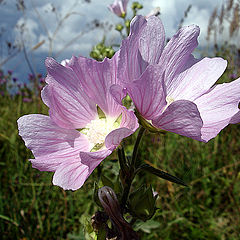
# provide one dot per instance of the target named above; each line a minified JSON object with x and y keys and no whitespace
{"x":147,"y":125}
{"x":100,"y":112}
{"x":161,"y":174}
{"x":106,"y":181}
{"x":142,"y":203}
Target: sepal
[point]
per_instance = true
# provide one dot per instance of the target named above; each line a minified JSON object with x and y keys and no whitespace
{"x":142,"y":203}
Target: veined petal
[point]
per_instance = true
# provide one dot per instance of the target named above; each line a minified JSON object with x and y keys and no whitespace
{"x":129,"y":119}
{"x":50,"y":144}
{"x":131,"y":64}
{"x":181,"y":117}
{"x":151,"y":40}
{"x":71,"y":175}
{"x":128,"y":126}
{"x":197,"y":79}
{"x":148,"y":93}
{"x":96,"y":79}
{"x":177,"y":51}
{"x":118,"y":93}
{"x":69,"y":106}
{"x":218,"y":107}
{"x":236,"y":118}
{"x":115,"y":137}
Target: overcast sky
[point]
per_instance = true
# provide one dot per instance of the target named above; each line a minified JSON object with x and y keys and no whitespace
{"x":40,"y":19}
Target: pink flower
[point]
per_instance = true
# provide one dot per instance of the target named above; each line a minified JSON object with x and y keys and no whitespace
{"x":119,"y":7}
{"x":171,"y":89}
{"x":76,"y":136}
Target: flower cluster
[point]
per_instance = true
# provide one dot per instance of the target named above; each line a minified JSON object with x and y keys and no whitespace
{"x":171,"y":91}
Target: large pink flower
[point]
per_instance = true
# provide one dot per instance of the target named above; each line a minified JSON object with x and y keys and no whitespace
{"x":119,"y":7}
{"x":77,"y":135}
{"x":171,"y":89}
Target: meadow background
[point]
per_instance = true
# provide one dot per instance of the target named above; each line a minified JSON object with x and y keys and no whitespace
{"x":32,"y":208}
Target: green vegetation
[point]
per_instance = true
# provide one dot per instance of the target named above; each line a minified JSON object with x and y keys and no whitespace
{"x":32,"y":208}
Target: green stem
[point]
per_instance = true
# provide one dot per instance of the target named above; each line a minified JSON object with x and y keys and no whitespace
{"x":135,"y":150}
{"x":129,"y":179}
{"x":122,"y":159}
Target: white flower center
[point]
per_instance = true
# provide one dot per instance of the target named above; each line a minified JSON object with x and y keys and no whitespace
{"x":97,"y":130}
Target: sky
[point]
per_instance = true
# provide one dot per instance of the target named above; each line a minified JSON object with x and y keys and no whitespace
{"x":41,"y":21}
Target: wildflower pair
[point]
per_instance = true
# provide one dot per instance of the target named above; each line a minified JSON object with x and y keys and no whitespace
{"x":171,"y":90}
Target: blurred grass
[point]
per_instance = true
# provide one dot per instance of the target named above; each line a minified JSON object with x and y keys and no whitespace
{"x":32,"y":208}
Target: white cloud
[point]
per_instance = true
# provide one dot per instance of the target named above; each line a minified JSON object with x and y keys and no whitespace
{"x":83,"y":13}
{"x":173,"y":10}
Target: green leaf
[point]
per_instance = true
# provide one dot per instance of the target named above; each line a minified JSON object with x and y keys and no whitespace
{"x":147,"y":226}
{"x":161,"y":174}
{"x":142,"y":203}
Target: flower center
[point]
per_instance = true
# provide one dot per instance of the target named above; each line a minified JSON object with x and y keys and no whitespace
{"x":97,"y":130}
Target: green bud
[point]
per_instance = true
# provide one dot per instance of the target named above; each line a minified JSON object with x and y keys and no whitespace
{"x":123,"y":15}
{"x":99,"y":46}
{"x":111,"y":53}
{"x":134,"y":5}
{"x":127,"y":23}
{"x":94,"y":55}
{"x":119,"y":27}
{"x":139,"y":6}
{"x":142,"y":203}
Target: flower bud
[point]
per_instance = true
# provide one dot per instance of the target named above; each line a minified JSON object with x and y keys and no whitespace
{"x":119,"y":27}
{"x":127,"y":23}
{"x":111,"y":206}
{"x":142,"y":203}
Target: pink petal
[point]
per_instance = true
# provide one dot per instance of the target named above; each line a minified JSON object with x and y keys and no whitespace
{"x":71,"y":175}
{"x":129,"y":119}
{"x":236,"y":118}
{"x":96,"y":79}
{"x":190,"y":62}
{"x":118,"y":93}
{"x":151,"y":40}
{"x":50,"y":144}
{"x":129,"y":125}
{"x":148,"y":94}
{"x":69,"y":106}
{"x":115,"y":137}
{"x":131,"y":64}
{"x":177,"y":51}
{"x":143,"y":46}
{"x":218,"y":107}
{"x":196,"y":80}
{"x":181,"y":117}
